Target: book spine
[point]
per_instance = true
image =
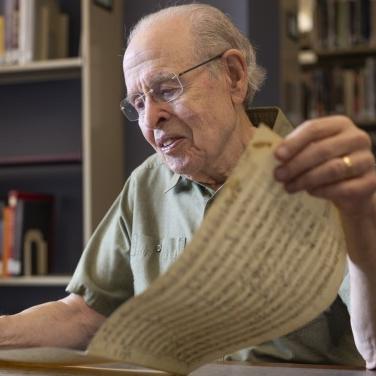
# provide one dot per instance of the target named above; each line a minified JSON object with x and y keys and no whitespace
{"x":370,"y":88}
{"x":26,"y":31}
{"x":8,"y":241}
{"x":32,"y":232}
{"x":2,"y":206}
{"x":2,"y":39}
{"x":11,"y":31}
{"x":373,"y":23}
{"x":344,"y":24}
{"x":350,"y":91}
{"x":62,"y":34}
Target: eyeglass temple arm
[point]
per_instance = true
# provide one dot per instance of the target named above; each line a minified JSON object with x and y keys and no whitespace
{"x":203,"y":63}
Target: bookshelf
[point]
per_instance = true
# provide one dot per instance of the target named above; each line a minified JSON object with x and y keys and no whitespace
{"x":59,"y":69}
{"x":61,"y":280}
{"x":338,"y":61}
{"x":62,"y":133}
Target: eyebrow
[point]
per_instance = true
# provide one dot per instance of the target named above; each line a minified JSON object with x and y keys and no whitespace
{"x":159,"y":77}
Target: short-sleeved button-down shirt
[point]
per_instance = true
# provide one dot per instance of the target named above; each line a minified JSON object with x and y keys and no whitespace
{"x":146,"y":229}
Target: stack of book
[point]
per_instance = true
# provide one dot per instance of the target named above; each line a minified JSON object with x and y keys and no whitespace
{"x":342,"y":24}
{"x":26,"y":233}
{"x":339,"y":89}
{"x":32,"y":30}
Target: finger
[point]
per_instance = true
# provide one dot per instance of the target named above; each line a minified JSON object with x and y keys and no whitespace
{"x":333,"y":171}
{"x":311,"y":131}
{"x":349,"y":195}
{"x":318,"y":153}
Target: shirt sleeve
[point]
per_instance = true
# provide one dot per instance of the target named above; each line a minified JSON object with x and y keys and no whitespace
{"x":103,"y":276}
{"x":344,"y":290}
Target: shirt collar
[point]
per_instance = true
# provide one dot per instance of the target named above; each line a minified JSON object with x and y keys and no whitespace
{"x":174,"y":181}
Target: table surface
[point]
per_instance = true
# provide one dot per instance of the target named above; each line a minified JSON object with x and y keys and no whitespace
{"x":216,"y":369}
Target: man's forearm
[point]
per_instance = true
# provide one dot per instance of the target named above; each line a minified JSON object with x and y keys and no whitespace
{"x":361,"y":239}
{"x":363,"y":313}
{"x":65,"y":323}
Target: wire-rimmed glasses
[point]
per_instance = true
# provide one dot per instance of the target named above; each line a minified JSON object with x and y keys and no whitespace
{"x":166,"y":88}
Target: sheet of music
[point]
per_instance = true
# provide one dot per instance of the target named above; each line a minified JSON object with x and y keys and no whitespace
{"x":263,"y":264}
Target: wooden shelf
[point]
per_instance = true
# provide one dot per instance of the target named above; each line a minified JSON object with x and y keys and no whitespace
{"x":362,"y":51}
{"x":59,"y":69}
{"x":51,"y":280}
{"x":314,"y":58}
{"x":25,"y":160}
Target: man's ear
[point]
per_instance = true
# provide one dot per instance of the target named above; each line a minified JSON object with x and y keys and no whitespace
{"x":237,"y":74}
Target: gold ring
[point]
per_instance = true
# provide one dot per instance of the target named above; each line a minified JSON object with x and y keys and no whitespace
{"x":347,"y":161}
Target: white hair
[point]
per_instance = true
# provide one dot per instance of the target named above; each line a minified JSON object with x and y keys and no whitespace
{"x":213,"y":32}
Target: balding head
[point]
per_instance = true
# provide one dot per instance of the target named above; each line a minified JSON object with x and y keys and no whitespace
{"x":211,"y":32}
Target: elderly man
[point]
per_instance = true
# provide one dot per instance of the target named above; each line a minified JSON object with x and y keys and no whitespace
{"x":189,"y":75}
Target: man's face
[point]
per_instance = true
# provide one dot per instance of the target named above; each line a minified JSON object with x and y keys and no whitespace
{"x":191,"y":132}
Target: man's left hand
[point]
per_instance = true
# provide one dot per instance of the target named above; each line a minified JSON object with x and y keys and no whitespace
{"x":330,"y":158}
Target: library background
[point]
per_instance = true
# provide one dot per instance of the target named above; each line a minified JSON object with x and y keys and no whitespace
{"x":66,"y":150}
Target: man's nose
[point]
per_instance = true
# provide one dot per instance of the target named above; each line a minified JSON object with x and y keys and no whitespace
{"x":155,"y":113}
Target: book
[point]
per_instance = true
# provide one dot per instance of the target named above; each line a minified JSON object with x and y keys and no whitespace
{"x":62,"y":36}
{"x":50,"y":41}
{"x":2,"y":206}
{"x":373,"y":23}
{"x":370,"y":88}
{"x":11,"y":12}
{"x":2,"y":38}
{"x":32,"y":30}
{"x":279,"y":261}
{"x":8,"y":228}
{"x":32,"y":233}
{"x":26,"y":31}
{"x":341,"y":89}
{"x":342,"y":24}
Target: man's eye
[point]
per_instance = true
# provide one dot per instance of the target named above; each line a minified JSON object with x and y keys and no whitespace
{"x":167,"y":91}
{"x":170,"y":93}
{"x":138,"y":103}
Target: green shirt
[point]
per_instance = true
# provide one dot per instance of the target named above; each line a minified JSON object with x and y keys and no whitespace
{"x":147,"y":227}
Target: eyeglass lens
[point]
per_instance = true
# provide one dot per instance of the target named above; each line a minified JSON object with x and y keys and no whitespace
{"x":161,"y":91}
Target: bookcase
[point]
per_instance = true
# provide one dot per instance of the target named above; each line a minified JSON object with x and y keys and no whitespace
{"x":338,"y":63}
{"x":61,"y":133}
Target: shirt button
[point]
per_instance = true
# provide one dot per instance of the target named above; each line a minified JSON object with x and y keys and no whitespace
{"x":158,"y":248}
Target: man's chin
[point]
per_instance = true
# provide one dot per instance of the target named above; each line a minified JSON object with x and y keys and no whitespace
{"x":179,"y":166}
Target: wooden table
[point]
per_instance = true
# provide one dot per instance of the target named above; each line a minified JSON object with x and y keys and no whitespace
{"x":216,"y":369}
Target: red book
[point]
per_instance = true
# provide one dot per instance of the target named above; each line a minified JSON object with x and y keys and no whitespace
{"x":7,"y":243}
{"x":32,"y":232}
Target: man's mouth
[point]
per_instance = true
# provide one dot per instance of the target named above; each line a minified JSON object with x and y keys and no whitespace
{"x":168,"y":142}
{"x":168,"y":145}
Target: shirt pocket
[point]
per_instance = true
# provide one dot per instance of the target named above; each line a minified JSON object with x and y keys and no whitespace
{"x":151,"y":257}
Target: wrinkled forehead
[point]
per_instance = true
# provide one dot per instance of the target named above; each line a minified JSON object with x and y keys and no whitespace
{"x":155,"y":49}
{"x":136,"y":60}
{"x":147,"y":65}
